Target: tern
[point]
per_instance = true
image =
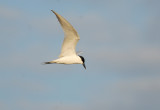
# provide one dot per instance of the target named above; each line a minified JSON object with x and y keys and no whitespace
{"x":68,"y":53}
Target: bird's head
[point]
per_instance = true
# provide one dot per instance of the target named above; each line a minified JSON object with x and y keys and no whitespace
{"x":83,"y":61}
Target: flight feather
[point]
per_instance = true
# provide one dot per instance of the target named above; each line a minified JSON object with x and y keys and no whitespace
{"x":71,"y":37}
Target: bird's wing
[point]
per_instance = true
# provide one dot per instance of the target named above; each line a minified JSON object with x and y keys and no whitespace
{"x":71,"y":37}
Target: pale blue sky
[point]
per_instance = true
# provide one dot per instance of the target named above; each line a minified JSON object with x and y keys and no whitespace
{"x":120,"y":40}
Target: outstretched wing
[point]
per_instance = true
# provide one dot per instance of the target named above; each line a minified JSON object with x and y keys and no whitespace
{"x":71,"y":37}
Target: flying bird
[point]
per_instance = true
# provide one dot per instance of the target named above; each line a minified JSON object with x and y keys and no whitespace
{"x":68,"y":53}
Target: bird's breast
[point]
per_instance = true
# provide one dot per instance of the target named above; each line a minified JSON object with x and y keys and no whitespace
{"x":69,"y":60}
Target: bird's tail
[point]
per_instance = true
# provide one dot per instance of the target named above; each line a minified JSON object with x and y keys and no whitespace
{"x":47,"y":63}
{"x":50,"y":62}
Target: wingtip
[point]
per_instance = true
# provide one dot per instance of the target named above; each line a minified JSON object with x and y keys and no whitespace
{"x":53,"y":11}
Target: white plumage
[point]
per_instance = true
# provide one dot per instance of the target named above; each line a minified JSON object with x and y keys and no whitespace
{"x":68,"y":53}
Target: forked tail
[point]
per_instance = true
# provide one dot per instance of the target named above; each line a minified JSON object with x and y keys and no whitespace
{"x":50,"y":62}
{"x":47,"y":63}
